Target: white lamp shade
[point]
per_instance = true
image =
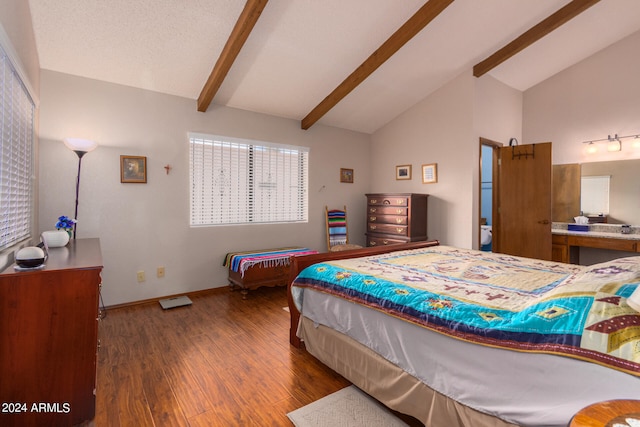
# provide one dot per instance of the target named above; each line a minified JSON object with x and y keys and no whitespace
{"x":80,"y":144}
{"x":591,"y":148}
{"x":614,"y":146}
{"x":634,"y":299}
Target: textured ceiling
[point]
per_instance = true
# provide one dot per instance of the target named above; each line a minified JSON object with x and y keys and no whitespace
{"x":300,"y":50}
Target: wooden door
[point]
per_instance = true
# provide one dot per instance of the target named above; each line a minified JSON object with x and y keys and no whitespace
{"x":524,"y":201}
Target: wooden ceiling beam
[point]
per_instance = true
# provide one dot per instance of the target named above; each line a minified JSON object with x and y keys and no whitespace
{"x":239,"y":35}
{"x":535,"y":33}
{"x":406,"y":32}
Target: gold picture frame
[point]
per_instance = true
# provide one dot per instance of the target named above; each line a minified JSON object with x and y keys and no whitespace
{"x":346,"y":175}
{"x":133,"y":169}
{"x":430,"y":173}
{"x":403,"y":172}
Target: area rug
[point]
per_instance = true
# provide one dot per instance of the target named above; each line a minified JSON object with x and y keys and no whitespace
{"x":348,"y":407}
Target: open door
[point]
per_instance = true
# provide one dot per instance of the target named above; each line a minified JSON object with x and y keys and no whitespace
{"x":524,"y":201}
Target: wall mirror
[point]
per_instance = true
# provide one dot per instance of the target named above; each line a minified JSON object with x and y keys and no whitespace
{"x":594,"y":195}
{"x":624,"y":190}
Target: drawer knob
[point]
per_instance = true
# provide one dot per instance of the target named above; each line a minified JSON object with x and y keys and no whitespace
{"x":374,"y":201}
{"x":399,"y":201}
{"x":385,"y":242}
{"x":372,"y":243}
{"x":372,"y":227}
{"x":372,"y":218}
{"x":399,"y":230}
{"x":399,"y":211}
{"x":372,"y":210}
{"x":399,"y":220}
{"x":386,"y":202}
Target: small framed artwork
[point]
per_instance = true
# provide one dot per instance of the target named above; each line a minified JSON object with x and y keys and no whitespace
{"x":430,"y":173}
{"x":133,"y":169}
{"x":403,"y":172}
{"x":346,"y":175}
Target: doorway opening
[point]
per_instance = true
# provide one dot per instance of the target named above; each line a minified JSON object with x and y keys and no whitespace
{"x":488,"y":194}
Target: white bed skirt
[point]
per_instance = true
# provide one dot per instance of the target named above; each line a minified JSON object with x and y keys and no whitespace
{"x":525,"y":389}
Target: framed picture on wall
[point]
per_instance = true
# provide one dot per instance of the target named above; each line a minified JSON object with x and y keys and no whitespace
{"x":430,"y":173}
{"x":133,"y":169}
{"x":403,"y":172}
{"x":346,"y":175}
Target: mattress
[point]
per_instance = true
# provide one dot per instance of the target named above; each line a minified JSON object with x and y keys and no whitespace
{"x":522,"y":388}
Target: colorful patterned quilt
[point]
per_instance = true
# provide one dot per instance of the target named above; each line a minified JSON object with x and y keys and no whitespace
{"x":499,"y":300}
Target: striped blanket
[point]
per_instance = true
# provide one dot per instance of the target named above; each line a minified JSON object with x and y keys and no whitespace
{"x":337,"y":222}
{"x":241,"y":261}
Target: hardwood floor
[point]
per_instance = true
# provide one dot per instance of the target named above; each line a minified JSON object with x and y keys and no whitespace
{"x":223,"y":361}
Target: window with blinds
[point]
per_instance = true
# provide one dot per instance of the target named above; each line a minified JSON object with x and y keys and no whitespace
{"x":16,"y":155}
{"x":236,"y":181}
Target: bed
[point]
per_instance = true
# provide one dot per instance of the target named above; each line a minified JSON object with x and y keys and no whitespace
{"x":458,"y":337}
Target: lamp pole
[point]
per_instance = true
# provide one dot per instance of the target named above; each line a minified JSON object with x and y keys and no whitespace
{"x":80,"y":147}
{"x":75,"y":215}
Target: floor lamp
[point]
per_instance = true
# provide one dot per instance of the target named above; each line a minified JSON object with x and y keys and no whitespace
{"x":80,"y":147}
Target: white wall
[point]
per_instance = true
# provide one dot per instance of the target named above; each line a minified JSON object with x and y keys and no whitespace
{"x":143,"y":226}
{"x":445,"y":129}
{"x":597,"y":97}
{"x":498,"y":110}
{"x":439,"y":130}
{"x":15,"y":18}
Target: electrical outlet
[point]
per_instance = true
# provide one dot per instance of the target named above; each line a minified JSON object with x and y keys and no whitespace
{"x":160,"y":271}
{"x":140,"y":276}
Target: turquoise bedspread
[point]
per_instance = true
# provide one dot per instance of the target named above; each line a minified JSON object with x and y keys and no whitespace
{"x":499,"y":300}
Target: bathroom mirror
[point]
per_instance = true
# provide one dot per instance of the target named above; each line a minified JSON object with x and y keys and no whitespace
{"x":594,"y":195}
{"x":624,"y":190}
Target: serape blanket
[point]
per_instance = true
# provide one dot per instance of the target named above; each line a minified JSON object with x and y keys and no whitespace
{"x":498,"y":300}
{"x":337,"y":222}
{"x":241,"y":261}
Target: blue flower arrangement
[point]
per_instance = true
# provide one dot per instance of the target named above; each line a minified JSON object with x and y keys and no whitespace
{"x":65,"y":223}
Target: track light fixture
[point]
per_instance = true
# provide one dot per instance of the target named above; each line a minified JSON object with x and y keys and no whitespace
{"x":614,"y":143}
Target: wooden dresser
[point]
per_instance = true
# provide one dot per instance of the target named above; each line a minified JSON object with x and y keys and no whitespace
{"x":396,"y":218}
{"x":49,"y":338}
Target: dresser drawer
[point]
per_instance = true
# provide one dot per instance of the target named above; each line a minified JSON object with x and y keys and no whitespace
{"x":387,"y":210}
{"x":387,"y":201}
{"x":387,"y":219}
{"x":381,"y":241}
{"x":400,"y":230}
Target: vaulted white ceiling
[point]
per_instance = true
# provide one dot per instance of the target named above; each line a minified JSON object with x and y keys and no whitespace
{"x":301,"y":50}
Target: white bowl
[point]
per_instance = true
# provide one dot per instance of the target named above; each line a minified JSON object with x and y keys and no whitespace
{"x":55,"y":238}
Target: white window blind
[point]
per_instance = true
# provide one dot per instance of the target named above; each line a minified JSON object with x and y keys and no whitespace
{"x":16,"y":157}
{"x":236,"y":181}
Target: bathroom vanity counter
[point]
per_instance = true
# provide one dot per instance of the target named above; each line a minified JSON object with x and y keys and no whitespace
{"x":566,"y":243}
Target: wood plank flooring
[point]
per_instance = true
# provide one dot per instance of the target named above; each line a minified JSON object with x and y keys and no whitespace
{"x":223,"y":361}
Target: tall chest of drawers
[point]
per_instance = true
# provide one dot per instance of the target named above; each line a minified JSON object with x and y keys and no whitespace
{"x":396,"y":218}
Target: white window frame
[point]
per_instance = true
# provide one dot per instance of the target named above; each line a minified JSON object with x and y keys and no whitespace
{"x":17,"y":142}
{"x":235,"y":181}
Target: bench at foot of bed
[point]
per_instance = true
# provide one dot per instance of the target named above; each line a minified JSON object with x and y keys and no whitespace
{"x":258,"y":276}
{"x":267,"y":267}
